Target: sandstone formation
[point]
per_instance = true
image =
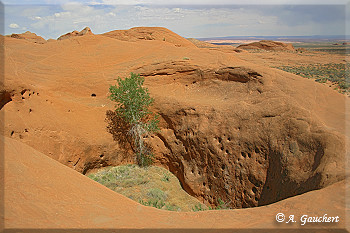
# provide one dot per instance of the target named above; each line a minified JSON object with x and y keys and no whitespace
{"x":29,"y":36}
{"x":230,"y":129}
{"x":149,"y":33}
{"x":85,"y":31}
{"x":268,"y":45}
{"x":240,"y":141}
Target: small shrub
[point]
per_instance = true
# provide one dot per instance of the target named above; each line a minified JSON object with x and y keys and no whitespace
{"x":198,"y":207}
{"x":159,"y":204}
{"x":131,"y":182}
{"x":166,"y":177}
{"x":156,"y":194}
{"x":222,"y":205}
{"x":171,"y":207}
{"x":344,"y":85}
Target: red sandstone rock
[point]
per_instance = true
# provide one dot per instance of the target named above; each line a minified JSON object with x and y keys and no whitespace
{"x":29,"y":36}
{"x":150,"y":33}
{"x":268,"y":45}
{"x":85,"y":31}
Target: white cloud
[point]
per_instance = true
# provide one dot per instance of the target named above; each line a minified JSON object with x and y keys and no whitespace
{"x":75,"y":16}
{"x":219,"y":2}
{"x":111,"y":14}
{"x":14,"y":25}
{"x":74,"y":6}
{"x":181,"y":2}
{"x":188,"y":21}
{"x":35,"y":17}
{"x":120,"y":2}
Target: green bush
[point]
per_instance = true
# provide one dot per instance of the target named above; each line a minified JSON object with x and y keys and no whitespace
{"x":156,"y":194}
{"x":132,"y":103}
{"x":159,"y":204}
{"x":222,"y":205}
{"x":198,"y":207}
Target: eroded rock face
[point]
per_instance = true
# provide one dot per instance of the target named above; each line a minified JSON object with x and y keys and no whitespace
{"x":29,"y":36}
{"x":247,"y":161}
{"x":34,"y":113}
{"x":85,"y":31}
{"x":246,"y":153}
{"x":196,"y":73}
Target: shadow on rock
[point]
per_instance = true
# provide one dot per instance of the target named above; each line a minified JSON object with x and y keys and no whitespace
{"x":119,"y":129}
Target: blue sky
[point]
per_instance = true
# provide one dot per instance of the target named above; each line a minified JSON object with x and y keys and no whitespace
{"x":195,"y":18}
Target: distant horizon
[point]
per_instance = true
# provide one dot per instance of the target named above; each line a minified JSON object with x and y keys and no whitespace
{"x":235,"y":37}
{"x":189,"y":21}
{"x":335,"y":37}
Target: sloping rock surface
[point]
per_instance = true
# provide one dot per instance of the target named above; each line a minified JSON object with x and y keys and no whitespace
{"x":163,"y":35}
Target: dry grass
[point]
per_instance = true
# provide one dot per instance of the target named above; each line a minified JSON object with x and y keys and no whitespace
{"x":152,"y":186}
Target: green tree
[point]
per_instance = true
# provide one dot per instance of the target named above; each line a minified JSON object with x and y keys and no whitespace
{"x":132,"y":105}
